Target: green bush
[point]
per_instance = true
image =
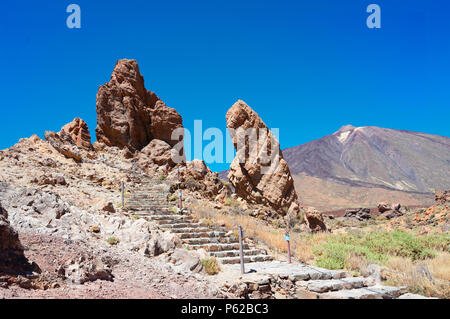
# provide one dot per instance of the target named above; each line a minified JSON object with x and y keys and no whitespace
{"x":377,"y":247}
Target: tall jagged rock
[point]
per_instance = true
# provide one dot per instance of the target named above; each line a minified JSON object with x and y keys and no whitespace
{"x":259,"y":172}
{"x":79,"y":132}
{"x":276,"y":187}
{"x":129,"y":116}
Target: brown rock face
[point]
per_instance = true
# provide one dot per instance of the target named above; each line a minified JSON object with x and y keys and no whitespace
{"x":274,"y":187}
{"x":129,"y":116}
{"x":12,"y":258}
{"x":63,"y":143}
{"x":315,"y":220}
{"x":79,"y":132}
{"x":157,"y":153}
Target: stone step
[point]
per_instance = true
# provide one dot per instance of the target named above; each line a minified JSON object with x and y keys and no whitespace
{"x":322,"y":286}
{"x":209,"y":240}
{"x":247,"y":259}
{"x":236,"y":253}
{"x":182,"y":225}
{"x":171,"y":221}
{"x":171,"y":217}
{"x":373,"y":292}
{"x":218,"y":247}
{"x":206,"y":234}
{"x":197,"y":230}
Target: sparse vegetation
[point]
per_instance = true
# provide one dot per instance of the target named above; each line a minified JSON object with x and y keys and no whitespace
{"x":112,"y":241}
{"x":211,"y":265}
{"x":173,"y":197}
{"x":162,"y":177}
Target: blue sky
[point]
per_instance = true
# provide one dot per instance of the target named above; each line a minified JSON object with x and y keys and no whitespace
{"x":307,"y":67}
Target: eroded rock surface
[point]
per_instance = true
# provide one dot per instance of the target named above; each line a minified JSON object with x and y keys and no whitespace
{"x":275,"y":188}
{"x":129,"y":116}
{"x":12,"y":258}
{"x":79,"y":132}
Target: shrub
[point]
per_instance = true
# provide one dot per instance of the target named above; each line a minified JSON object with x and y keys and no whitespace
{"x":162,"y":177}
{"x":112,"y":241}
{"x":211,"y":265}
{"x":173,"y":197}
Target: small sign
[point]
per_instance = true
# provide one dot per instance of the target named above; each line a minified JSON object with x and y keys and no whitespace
{"x":180,"y":193}
{"x":287,"y":237}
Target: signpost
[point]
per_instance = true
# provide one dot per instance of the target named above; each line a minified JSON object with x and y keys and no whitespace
{"x":287,"y":238}
{"x":123,"y":194}
{"x":241,"y":249}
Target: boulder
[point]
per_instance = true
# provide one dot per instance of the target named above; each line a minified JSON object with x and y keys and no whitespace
{"x":130,"y":117}
{"x":79,"y":133}
{"x":359,"y":213}
{"x":258,"y":178}
{"x":84,"y":269}
{"x":315,"y":220}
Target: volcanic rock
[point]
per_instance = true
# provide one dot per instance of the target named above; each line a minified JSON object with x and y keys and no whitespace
{"x":12,"y":258}
{"x":442,"y":197}
{"x":359,"y":213}
{"x":129,"y":116}
{"x":63,"y":143}
{"x":79,"y":132}
{"x":315,"y":220}
{"x":274,"y":188}
{"x":157,"y":153}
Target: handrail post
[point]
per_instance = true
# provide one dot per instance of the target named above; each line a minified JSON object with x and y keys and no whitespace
{"x":123,"y":194}
{"x":241,"y":250}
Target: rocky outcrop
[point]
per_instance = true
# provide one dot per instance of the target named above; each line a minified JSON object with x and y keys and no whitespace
{"x":62,"y":142}
{"x":130,"y":117}
{"x":12,"y":258}
{"x":442,"y":197}
{"x":79,"y":132}
{"x":391,"y":210}
{"x":360,"y":214}
{"x":86,"y":268}
{"x":274,"y":188}
{"x":156,"y":154}
{"x":315,"y":220}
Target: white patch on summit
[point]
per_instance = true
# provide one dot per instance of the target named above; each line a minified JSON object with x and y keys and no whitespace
{"x":343,"y":136}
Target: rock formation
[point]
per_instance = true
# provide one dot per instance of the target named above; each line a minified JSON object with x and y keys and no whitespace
{"x":391,"y":210}
{"x":260,"y":174}
{"x":130,"y":117}
{"x":12,"y":258}
{"x":275,"y":188}
{"x":63,"y":143}
{"x":79,"y":132}
{"x":360,"y":214}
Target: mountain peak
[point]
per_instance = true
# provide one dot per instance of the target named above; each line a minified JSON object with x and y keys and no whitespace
{"x":346,"y":128}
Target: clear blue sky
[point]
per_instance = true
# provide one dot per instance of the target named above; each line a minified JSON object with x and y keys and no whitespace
{"x":307,"y":67}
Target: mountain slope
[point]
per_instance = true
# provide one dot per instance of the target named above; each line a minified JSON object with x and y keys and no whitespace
{"x":376,"y":157}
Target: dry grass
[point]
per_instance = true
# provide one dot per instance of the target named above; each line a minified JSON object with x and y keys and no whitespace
{"x":211,"y":265}
{"x":429,"y":278}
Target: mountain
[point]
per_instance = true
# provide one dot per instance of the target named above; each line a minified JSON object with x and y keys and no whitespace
{"x":376,"y":157}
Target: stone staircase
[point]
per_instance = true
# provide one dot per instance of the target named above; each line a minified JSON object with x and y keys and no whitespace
{"x":151,"y":202}
{"x":300,"y":281}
